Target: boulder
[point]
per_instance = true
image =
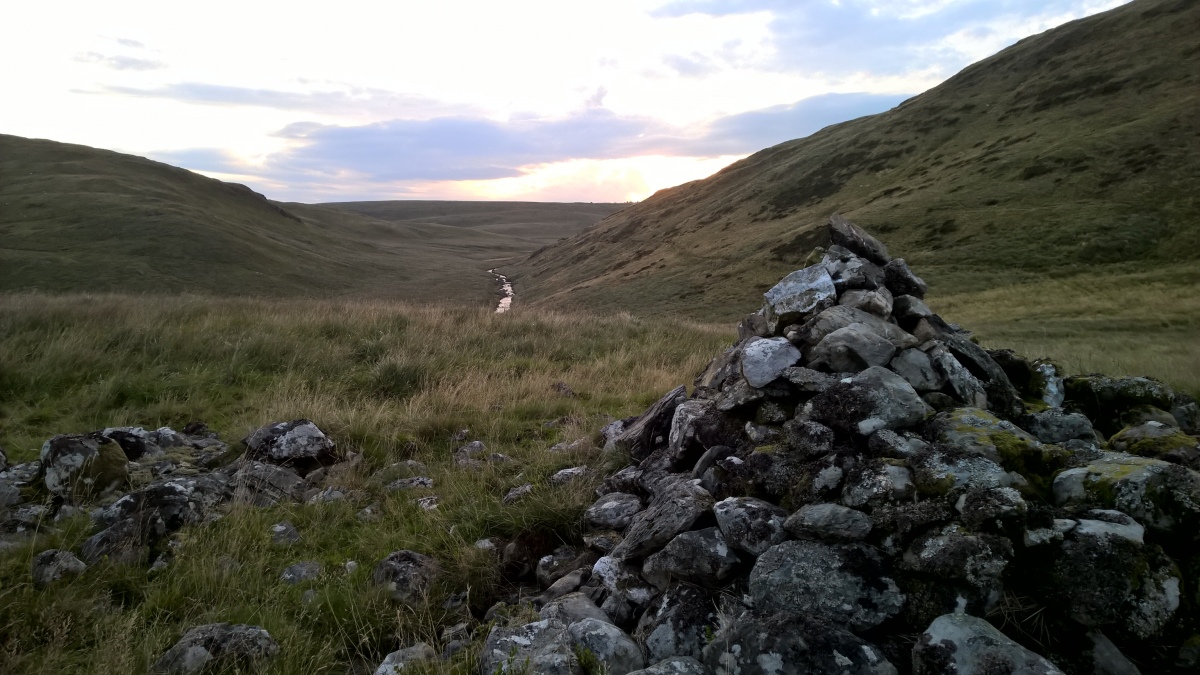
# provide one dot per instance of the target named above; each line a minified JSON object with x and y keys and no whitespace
{"x":627,"y":590}
{"x":260,"y":484}
{"x":917,"y":369}
{"x":973,"y":562}
{"x":834,"y":318}
{"x":851,"y":349}
{"x":407,"y":575}
{"x":1058,"y":426}
{"x":908,"y":311}
{"x":652,"y":428}
{"x":1183,"y":408}
{"x":673,"y":511}
{"x":675,"y":665}
{"x":616,"y":651}
{"x":828,"y":522}
{"x":764,"y":360}
{"x":1103,"y":399}
{"x":696,"y":426}
{"x":798,"y":296}
{"x":700,"y":556}
{"x":874,"y":399}
{"x":966,"y":645}
{"x":80,"y":467}
{"x":850,"y":236}
{"x":613,"y":511}
{"x":678,"y":623}
{"x":846,"y":584}
{"x":965,"y":387}
{"x":849,"y":271}
{"x":298,"y":444}
{"x":541,"y":647}
{"x":791,"y":643}
{"x":397,"y":661}
{"x":900,"y":280}
{"x":749,"y":524}
{"x":53,"y":564}
{"x":1163,"y":497}
{"x":877,"y":302}
{"x":217,"y":647}
{"x":938,"y":470}
{"x":977,"y":432}
{"x":571,"y":608}
{"x":1155,"y":439}
{"x":877,"y":482}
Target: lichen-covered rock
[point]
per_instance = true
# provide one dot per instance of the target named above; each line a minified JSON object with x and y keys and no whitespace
{"x":791,"y":643}
{"x":573,"y":607}
{"x":874,"y":399}
{"x":900,"y":279}
{"x":1058,"y":426}
{"x":561,"y":562}
{"x":764,"y":359}
{"x":81,"y":467}
{"x":797,"y":296}
{"x":749,"y":524}
{"x":851,"y":349}
{"x":850,"y":236}
{"x":671,"y":512}
{"x":956,"y":555}
{"x":298,"y":444}
{"x":397,"y":661}
{"x":1186,"y":412}
{"x":1162,"y":496}
{"x":877,"y":301}
{"x":407,"y":575}
{"x":53,"y":564}
{"x":700,"y":556}
{"x":938,"y":470}
{"x":616,"y":651}
{"x":1103,"y":399}
{"x":841,"y":316}
{"x":917,"y":369}
{"x":628,"y":592}
{"x":675,"y":665}
{"x":875,"y":482}
{"x":541,"y":647}
{"x":1155,"y":439}
{"x":217,"y":647}
{"x":652,"y":428}
{"x":844,"y":583}
{"x":959,"y":381}
{"x":613,"y":511}
{"x":828,"y":522}
{"x":966,"y":645}
{"x":850,"y":271}
{"x":696,"y":426}
{"x":678,"y":623}
{"x":260,"y":484}
{"x":1000,"y":510}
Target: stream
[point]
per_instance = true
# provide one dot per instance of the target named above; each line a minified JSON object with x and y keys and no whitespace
{"x":506,"y":292}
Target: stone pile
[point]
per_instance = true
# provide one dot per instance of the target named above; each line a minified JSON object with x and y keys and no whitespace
{"x":857,"y":486}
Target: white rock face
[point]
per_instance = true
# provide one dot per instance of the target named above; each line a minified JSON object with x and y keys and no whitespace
{"x":764,"y":360}
{"x":800,"y":294}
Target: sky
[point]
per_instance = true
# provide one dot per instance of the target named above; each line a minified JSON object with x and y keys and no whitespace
{"x":546,"y":100}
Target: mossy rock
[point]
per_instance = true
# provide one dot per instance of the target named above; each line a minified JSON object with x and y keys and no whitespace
{"x":1152,"y":439}
{"x":1105,"y":399}
{"x":83,"y":467}
{"x":1162,"y":496}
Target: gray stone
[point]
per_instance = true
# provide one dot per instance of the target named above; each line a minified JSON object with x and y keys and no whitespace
{"x":850,"y":272}
{"x":877,"y":483}
{"x":994,"y":509}
{"x":874,"y":399}
{"x":518,"y":493}
{"x":613,"y":511}
{"x":651,"y":429}
{"x":966,"y":645}
{"x":284,"y":533}
{"x":414,"y":483}
{"x":877,"y":301}
{"x":917,"y":369}
{"x":1057,"y":426}
{"x":673,"y":511}
{"x":763,"y":360}
{"x":564,"y":476}
{"x":53,"y":564}
{"x":675,"y":665}
{"x":406,"y":574}
{"x":571,"y":608}
{"x":10,"y":495}
{"x":850,"y":236}
{"x":1107,"y":659}
{"x":973,"y":431}
{"x":841,"y":316}
{"x":565,"y":559}
{"x":299,"y":444}
{"x":542,"y":647}
{"x":749,"y":524}
{"x":791,"y":644}
{"x":1186,"y":412}
{"x":710,"y":457}
{"x":79,"y":467}
{"x":895,"y":445}
{"x":217,"y":647}
{"x":397,"y":661}
{"x":677,"y":623}
{"x":851,"y":349}
{"x":966,"y":387}
{"x":260,"y":484}
{"x":909,"y":310}
{"x":700,"y":556}
{"x":618,"y":653}
{"x":696,"y":426}
{"x":937,"y":472}
{"x":798,"y":296}
{"x":808,"y":380}
{"x":956,"y":555}
{"x":623,"y":583}
{"x":300,"y":572}
{"x":1159,"y":495}
{"x":828,"y":522}
{"x":900,"y":279}
{"x":844,"y":583}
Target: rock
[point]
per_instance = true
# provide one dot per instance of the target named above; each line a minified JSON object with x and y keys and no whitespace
{"x":844,"y":583}
{"x":603,"y":541}
{"x":564,"y":476}
{"x":1058,"y":426}
{"x":52,"y":565}
{"x":909,"y":311}
{"x":675,"y":665}
{"x":1163,"y":497}
{"x":10,"y":495}
{"x":3,"y":459}
{"x":1104,"y":399}
{"x":977,"y":432}
{"x":217,"y":647}
{"x":851,"y":349}
{"x":894,"y":445}
{"x":877,"y":482}
{"x":976,"y":561}
{"x":671,"y":512}
{"x":397,"y":661}
{"x":1107,"y":659}
{"x":849,"y":271}
{"x":414,"y":483}
{"x":791,"y":644}
{"x":877,"y":302}
{"x":332,"y":494}
{"x":406,"y":574}
{"x":966,"y":645}
{"x":710,"y":457}
{"x":143,"y":519}
{"x":917,"y":369}
{"x":874,"y":399}
{"x":841,"y":316}
{"x":938,"y":470}
{"x":284,"y":533}
{"x":1000,"y":510}
{"x":1183,"y":408}
{"x":301,"y":572}
{"x":628,"y":592}
{"x":700,"y":556}
{"x":798,"y":296}
{"x":1155,"y":439}
{"x":571,"y":608}
{"x":763,"y":360}
{"x":848,"y":235}
{"x":565,"y":559}
{"x":749,"y":524}
{"x":678,"y":623}
{"x":614,"y":511}
{"x":298,"y":444}
{"x":901,"y":281}
{"x":696,"y":426}
{"x":260,"y":484}
{"x":80,"y":467}
{"x":427,"y":503}
{"x":959,"y":381}
{"x":542,"y":647}
{"x":616,"y":651}
{"x":828,"y":522}
{"x":518,"y":493}
{"x":651,"y":430}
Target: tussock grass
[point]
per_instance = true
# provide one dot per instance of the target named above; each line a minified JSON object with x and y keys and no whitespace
{"x":387,"y":380}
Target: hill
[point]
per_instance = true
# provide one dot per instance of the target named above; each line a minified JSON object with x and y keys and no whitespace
{"x":1074,"y":152}
{"x":78,"y":218}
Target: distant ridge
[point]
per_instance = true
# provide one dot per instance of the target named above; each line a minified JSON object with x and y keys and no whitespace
{"x":1071,"y":150}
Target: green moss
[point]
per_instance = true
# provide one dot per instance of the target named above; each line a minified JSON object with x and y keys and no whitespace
{"x":1038,"y":464}
{"x":1153,"y":447}
{"x":102,"y":474}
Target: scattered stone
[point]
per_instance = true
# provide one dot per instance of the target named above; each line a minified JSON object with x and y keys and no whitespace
{"x":415,"y":483}
{"x":82,"y":467}
{"x":284,"y":533}
{"x":300,"y":572}
{"x":397,"y":661}
{"x":564,"y":476}
{"x":518,"y":493}
{"x":217,"y":647}
{"x":260,"y":484}
{"x":52,"y":565}
{"x":298,"y":444}
{"x":427,"y":503}
{"x":407,"y":575}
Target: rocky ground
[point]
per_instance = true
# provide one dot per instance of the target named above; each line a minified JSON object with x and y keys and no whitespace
{"x":856,"y":486}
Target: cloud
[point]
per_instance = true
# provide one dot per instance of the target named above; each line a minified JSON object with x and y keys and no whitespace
{"x":887,"y":37}
{"x":119,"y":62}
{"x":377,"y":102}
{"x":126,"y":42}
{"x":696,"y":65}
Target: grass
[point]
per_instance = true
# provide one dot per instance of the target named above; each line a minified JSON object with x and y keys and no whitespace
{"x":387,"y":380}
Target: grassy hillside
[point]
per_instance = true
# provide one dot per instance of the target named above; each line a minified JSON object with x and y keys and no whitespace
{"x":76,"y":218}
{"x":1076,"y":151}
